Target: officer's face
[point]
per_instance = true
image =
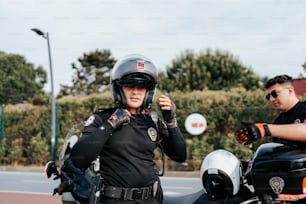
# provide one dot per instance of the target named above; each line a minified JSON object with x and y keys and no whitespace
{"x":134,"y":97}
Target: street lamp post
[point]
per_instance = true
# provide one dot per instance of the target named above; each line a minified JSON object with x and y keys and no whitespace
{"x":46,"y":36}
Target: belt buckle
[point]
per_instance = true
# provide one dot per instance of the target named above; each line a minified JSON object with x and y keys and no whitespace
{"x":135,"y":194}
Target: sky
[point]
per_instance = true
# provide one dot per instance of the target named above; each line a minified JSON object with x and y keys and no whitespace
{"x":268,"y":36}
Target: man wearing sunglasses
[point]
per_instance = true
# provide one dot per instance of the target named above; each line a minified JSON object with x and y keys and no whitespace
{"x":290,"y":126}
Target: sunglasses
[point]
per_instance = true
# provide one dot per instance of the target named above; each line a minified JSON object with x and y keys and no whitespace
{"x":272,"y":93}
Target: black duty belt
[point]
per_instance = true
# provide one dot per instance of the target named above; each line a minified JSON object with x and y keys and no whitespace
{"x":126,"y":193}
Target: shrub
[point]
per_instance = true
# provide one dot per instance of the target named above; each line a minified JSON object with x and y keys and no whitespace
{"x":27,"y":127}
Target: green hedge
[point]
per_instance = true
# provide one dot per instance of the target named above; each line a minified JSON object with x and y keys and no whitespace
{"x":27,"y":128}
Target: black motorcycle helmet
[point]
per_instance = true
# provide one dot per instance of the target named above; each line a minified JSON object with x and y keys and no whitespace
{"x":133,"y":70}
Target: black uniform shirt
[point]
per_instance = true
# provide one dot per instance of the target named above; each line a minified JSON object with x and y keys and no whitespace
{"x":296,"y":114}
{"x":127,"y":153}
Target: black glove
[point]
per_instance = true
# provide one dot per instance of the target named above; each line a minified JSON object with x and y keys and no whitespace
{"x":119,"y":117}
{"x":170,"y":116}
{"x":252,"y":132}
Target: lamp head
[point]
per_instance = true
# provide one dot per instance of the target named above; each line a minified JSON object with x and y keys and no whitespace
{"x":38,"y":32}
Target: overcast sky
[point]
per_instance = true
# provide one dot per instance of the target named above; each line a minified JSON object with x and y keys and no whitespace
{"x":268,"y":36}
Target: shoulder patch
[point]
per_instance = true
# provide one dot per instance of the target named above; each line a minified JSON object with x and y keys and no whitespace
{"x":90,"y":120}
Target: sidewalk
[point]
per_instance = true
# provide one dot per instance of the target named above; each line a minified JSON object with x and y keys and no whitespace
{"x":26,"y":198}
{"x":195,"y":174}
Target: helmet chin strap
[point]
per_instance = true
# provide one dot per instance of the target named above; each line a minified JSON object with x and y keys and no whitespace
{"x":145,"y":106}
{"x":121,"y":101}
{"x":122,"y":104}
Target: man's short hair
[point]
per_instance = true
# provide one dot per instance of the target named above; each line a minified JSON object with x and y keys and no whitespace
{"x":280,"y":79}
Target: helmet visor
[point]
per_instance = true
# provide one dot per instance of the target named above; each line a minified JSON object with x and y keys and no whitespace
{"x":141,"y":81}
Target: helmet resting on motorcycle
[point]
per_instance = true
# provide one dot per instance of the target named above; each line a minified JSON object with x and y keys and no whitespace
{"x":221,"y":174}
{"x":133,"y":70}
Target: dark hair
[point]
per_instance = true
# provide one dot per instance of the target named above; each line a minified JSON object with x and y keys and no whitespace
{"x":280,"y":79}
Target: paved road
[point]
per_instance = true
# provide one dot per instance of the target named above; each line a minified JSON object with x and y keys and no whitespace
{"x":26,"y":182}
{"x":26,"y":188}
{"x":34,"y":187}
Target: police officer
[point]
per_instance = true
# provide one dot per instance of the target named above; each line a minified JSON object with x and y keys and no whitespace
{"x":126,"y":136}
{"x":289,"y":127}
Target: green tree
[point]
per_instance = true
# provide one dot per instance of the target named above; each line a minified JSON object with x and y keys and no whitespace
{"x":2,"y":148}
{"x":92,"y":76}
{"x":15,"y":153}
{"x":37,"y":151}
{"x":214,"y":70}
{"x":20,"y":80}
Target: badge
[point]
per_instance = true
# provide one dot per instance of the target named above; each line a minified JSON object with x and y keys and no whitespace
{"x":277,"y":184}
{"x":153,"y":134}
{"x":90,"y":120}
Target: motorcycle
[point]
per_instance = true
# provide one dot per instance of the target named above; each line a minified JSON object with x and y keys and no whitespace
{"x":276,"y":174}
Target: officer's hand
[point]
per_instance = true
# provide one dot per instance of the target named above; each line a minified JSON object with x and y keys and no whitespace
{"x":119,"y":117}
{"x":168,"y":109}
{"x":252,"y":132}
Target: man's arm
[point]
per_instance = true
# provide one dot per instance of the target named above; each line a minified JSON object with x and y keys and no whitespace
{"x":295,"y":132}
{"x":254,"y":131}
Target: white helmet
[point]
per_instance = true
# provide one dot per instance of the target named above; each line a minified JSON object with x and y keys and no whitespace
{"x":221,"y":174}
